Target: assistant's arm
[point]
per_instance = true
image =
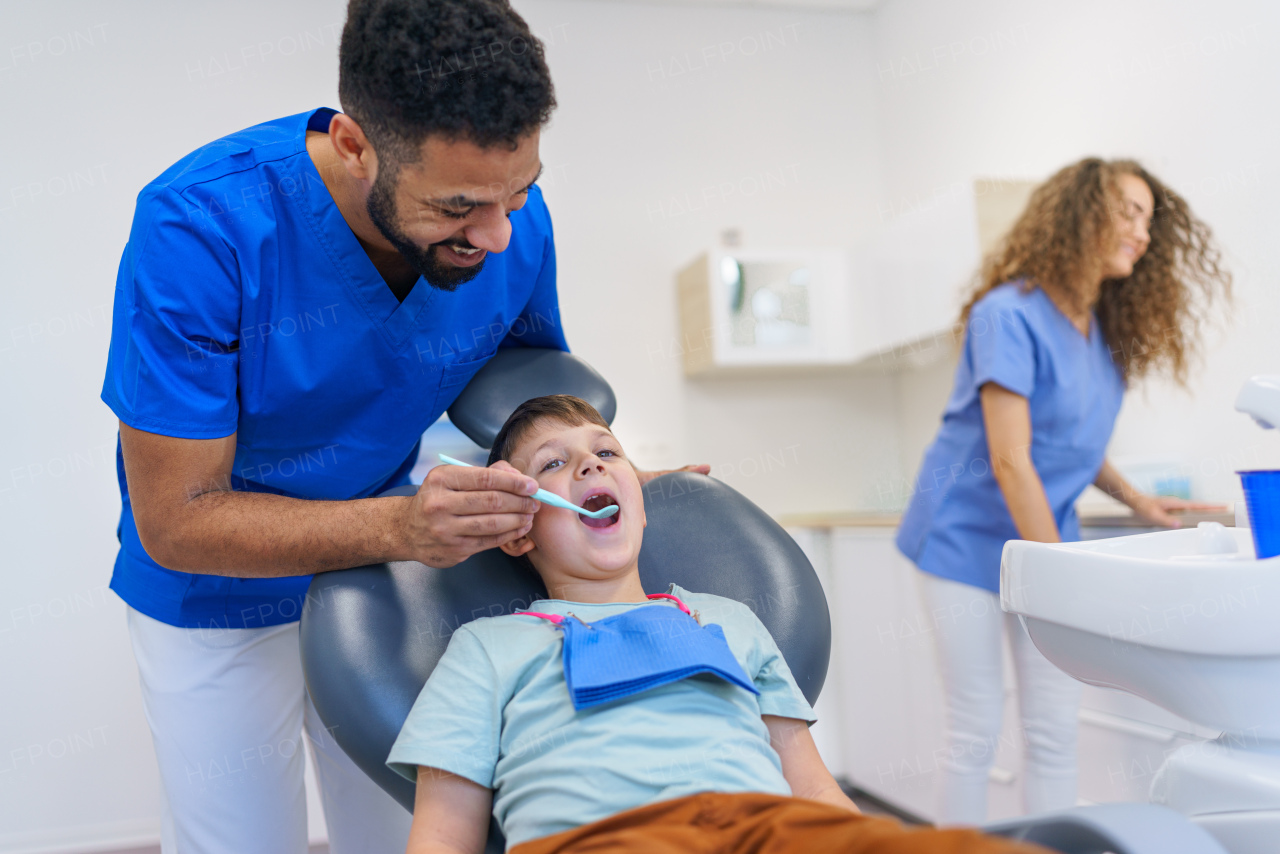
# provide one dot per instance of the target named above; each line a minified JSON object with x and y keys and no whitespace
{"x":1114,"y":484}
{"x":190,"y":520}
{"x":450,"y":814}
{"x":801,"y":765}
{"x":1154,"y":508}
{"x":1007,"y":417}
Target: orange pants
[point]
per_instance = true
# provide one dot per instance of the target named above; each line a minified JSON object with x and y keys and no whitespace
{"x":714,"y":823}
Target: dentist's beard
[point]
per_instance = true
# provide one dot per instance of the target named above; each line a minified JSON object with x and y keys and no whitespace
{"x":381,"y":206}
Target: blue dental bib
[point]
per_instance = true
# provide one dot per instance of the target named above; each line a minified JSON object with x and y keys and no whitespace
{"x":639,"y":649}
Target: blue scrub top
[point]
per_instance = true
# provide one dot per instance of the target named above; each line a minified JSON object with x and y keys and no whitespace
{"x":245,"y":304}
{"x":957,"y":522}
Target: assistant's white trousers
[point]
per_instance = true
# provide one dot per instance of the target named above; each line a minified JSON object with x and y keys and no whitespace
{"x":968,"y":623}
{"x":227,"y":709}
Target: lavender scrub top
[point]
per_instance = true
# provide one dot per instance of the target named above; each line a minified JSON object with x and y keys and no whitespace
{"x":956,"y":523}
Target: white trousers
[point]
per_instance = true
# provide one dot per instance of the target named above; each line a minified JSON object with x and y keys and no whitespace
{"x":227,"y":709}
{"x":968,"y":624}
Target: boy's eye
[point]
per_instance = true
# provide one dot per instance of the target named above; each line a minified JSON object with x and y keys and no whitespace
{"x":550,"y":464}
{"x":606,"y":453}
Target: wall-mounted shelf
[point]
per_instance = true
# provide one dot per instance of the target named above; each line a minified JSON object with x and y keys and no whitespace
{"x":891,"y":305}
{"x":743,"y":310}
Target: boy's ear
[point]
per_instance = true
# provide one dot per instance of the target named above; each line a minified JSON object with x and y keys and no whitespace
{"x":518,"y":546}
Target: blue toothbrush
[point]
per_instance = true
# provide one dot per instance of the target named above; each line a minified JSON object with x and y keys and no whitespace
{"x":549,"y":497}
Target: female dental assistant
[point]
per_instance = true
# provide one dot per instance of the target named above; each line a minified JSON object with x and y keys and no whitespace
{"x":1091,"y":289}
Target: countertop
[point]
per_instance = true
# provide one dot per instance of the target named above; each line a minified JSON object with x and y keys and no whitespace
{"x":1089,"y":518}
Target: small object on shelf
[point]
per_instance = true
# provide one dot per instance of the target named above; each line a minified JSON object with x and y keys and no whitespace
{"x":749,"y":309}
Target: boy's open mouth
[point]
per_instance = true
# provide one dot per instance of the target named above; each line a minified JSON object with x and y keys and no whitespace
{"x":598,"y":501}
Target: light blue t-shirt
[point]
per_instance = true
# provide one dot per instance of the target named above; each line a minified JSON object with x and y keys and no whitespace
{"x":496,"y":710}
{"x":957,"y":521}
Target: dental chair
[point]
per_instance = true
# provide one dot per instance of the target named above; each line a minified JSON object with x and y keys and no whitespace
{"x":372,"y":635}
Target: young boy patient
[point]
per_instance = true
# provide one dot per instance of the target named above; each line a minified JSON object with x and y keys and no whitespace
{"x":630,"y":754}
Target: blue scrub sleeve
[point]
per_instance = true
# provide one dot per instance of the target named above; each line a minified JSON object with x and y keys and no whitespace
{"x":540,"y":324}
{"x":1000,"y":346}
{"x":173,"y":364}
{"x":455,"y":724}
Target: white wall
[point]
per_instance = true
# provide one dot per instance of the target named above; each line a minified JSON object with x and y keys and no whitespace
{"x":98,"y":100}
{"x":669,"y":118}
{"x":991,"y":88}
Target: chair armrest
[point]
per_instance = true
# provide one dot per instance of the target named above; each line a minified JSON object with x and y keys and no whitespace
{"x":1118,"y":828}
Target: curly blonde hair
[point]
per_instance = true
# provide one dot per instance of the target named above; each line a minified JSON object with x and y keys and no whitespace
{"x":1060,"y":243}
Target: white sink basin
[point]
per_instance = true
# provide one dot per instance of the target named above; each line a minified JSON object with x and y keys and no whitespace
{"x":1187,"y":619}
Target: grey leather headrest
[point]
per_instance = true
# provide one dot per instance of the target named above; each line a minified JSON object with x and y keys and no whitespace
{"x":517,"y":374}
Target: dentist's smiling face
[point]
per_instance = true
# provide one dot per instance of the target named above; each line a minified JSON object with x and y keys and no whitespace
{"x":1131,"y":224}
{"x":584,"y":464}
{"x":447,"y":211}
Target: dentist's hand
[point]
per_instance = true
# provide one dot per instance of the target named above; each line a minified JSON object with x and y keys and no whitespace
{"x":459,"y":511}
{"x":1158,"y":509}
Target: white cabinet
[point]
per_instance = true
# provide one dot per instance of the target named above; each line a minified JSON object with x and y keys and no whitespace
{"x":910,"y":278}
{"x":883,"y":710}
{"x":752,"y":310}
{"x":885,"y":673}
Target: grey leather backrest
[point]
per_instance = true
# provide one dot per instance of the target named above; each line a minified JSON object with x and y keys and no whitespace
{"x":371,"y":636}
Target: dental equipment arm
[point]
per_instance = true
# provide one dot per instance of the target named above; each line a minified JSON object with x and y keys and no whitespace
{"x":1260,"y":398}
{"x":1007,"y":417}
{"x":1117,"y":828}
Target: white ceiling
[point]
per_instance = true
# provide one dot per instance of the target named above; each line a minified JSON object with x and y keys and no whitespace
{"x":824,"y":5}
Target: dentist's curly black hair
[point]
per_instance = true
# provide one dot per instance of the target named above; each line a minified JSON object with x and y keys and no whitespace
{"x":465,"y":69}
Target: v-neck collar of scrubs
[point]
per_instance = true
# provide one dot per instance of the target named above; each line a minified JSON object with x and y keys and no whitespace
{"x":395,"y":319}
{"x":1053,"y":306}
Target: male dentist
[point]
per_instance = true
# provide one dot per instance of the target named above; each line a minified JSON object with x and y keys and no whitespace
{"x":297,"y":302}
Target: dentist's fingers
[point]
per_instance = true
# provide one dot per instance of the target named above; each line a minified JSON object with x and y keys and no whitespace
{"x":493,"y":525}
{"x":500,"y":477}
{"x":459,"y":511}
{"x":486,"y":503}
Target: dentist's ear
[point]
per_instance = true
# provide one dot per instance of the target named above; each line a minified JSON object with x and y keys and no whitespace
{"x":518,"y":546}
